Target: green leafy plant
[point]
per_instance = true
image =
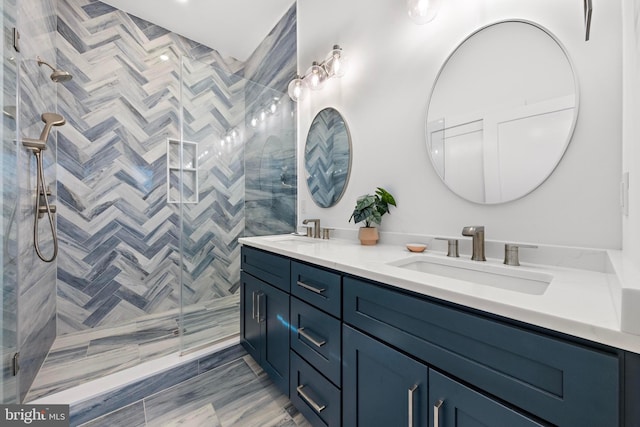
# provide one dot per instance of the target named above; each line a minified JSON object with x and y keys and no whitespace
{"x":371,"y":207}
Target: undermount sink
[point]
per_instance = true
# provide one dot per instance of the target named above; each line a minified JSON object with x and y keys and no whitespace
{"x":503,"y":277}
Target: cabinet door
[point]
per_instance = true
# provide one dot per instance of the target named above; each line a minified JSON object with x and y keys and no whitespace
{"x":250,"y":288}
{"x":381,"y":386}
{"x":455,"y":405}
{"x":273,"y":307}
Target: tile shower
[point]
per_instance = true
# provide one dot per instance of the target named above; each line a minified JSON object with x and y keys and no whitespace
{"x":137,"y":274}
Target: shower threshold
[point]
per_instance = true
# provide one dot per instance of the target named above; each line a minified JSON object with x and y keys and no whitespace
{"x":81,"y":357}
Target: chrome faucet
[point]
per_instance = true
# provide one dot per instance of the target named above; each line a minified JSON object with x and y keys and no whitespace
{"x":316,"y":227}
{"x":476,"y":232}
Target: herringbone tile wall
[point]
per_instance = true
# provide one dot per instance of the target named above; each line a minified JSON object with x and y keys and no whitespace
{"x":119,"y":238}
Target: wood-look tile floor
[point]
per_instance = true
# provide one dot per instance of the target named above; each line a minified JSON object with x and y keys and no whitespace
{"x":84,"y":356}
{"x":237,"y":394}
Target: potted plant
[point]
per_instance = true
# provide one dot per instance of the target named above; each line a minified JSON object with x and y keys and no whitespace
{"x":370,"y":208}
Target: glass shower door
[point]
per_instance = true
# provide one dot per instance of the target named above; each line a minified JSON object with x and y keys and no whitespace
{"x":8,"y":204}
{"x":233,"y":130}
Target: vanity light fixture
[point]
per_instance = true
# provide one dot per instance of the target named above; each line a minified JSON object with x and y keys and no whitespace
{"x":334,"y":66}
{"x":423,"y":11}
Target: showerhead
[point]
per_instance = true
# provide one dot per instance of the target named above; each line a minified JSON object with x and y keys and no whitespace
{"x":57,"y":76}
{"x":50,"y":120}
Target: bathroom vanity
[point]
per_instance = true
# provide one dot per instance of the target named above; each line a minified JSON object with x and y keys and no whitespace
{"x":362,"y":337}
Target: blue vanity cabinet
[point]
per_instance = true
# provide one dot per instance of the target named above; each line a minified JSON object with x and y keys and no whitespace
{"x":452,"y":404}
{"x":314,"y":395}
{"x":384,"y":387}
{"x":358,"y":353}
{"x":316,"y":344}
{"x":557,"y":381}
{"x":251,"y":329}
{"x":319,"y":287}
{"x":264,"y":317}
{"x":381,"y":386}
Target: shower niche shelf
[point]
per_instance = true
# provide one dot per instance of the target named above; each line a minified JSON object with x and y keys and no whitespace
{"x":182,"y":158}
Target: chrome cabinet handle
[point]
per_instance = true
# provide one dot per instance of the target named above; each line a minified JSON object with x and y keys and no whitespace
{"x":253,"y":305}
{"x":436,"y":413}
{"x":259,"y":316}
{"x":305,"y":396}
{"x":411,"y":391}
{"x":310,"y":288}
{"x":301,"y":331}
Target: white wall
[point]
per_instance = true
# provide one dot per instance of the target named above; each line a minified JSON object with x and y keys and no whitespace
{"x":631,"y":127}
{"x":384,"y":96}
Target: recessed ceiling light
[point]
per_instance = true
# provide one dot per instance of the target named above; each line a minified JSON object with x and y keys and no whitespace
{"x":164,"y":57}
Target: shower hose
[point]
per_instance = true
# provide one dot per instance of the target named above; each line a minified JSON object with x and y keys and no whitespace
{"x":41,"y":195}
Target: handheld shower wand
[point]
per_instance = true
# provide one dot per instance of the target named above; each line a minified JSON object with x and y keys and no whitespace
{"x":50,"y":120}
{"x":42,"y":192}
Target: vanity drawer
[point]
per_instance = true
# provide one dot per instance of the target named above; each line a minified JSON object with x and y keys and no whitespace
{"x":316,"y":286}
{"x":560,"y":382}
{"x":316,"y":337}
{"x":314,"y":396}
{"x":267,"y":267}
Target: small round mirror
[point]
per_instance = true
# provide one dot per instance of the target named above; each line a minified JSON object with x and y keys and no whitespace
{"x":502,"y":112}
{"x":327,"y":157}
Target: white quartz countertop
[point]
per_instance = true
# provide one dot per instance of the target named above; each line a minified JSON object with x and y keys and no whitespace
{"x":578,"y":302}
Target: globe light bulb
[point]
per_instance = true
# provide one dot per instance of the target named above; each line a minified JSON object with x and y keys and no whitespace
{"x":336,"y":64}
{"x":316,"y":76}
{"x":297,"y":89}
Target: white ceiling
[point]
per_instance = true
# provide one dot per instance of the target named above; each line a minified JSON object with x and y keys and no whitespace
{"x":232,"y":27}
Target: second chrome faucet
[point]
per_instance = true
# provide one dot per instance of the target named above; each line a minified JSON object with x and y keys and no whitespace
{"x":476,"y":232}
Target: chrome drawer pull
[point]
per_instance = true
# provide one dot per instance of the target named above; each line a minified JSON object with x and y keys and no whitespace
{"x":314,"y":341}
{"x":310,"y":288}
{"x":411,"y":391}
{"x":253,"y":305}
{"x":436,"y":413}
{"x":309,"y":400}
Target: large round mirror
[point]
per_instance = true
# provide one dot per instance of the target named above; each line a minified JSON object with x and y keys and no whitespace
{"x":327,"y":157}
{"x":502,"y":112}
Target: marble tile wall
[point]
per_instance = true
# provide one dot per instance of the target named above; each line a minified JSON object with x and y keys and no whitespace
{"x":119,"y":254}
{"x":213,"y":110}
{"x":270,"y":150}
{"x":36,"y":279}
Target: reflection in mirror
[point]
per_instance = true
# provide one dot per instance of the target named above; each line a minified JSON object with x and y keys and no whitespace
{"x":502,"y":112}
{"x":327,"y":157}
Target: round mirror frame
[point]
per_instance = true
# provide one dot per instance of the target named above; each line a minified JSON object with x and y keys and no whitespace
{"x":569,"y":134}
{"x":309,"y":172}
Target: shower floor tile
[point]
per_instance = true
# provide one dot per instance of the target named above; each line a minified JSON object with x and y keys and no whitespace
{"x":237,"y":394}
{"x":88,"y":355}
